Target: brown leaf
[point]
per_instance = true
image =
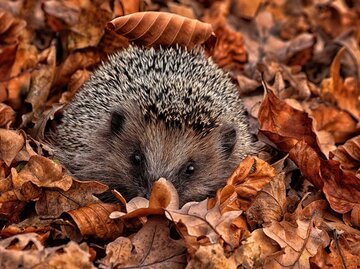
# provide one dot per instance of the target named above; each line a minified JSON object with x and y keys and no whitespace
{"x":284,"y":125}
{"x":93,"y":221}
{"x":243,"y":185}
{"x":254,"y":250}
{"x":270,"y":203}
{"x":229,"y":51}
{"x":164,"y":195}
{"x":11,"y":142}
{"x":344,"y":93}
{"x":333,"y":120}
{"x":43,"y":173}
{"x":181,"y":10}
{"x":340,"y":256}
{"x":85,"y":59}
{"x":342,"y":189}
{"x":211,"y":256}
{"x":30,"y":253}
{"x":55,"y":201}
{"x":247,"y":9}
{"x":348,"y":155}
{"x":201,"y":221}
{"x":41,"y":81}
{"x":7,"y":115}
{"x":161,"y":28}
{"x":298,"y":242}
{"x":151,"y":247}
{"x":83,"y":20}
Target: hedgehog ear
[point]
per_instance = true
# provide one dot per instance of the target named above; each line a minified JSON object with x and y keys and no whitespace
{"x":228,"y":139}
{"x":117,"y":121}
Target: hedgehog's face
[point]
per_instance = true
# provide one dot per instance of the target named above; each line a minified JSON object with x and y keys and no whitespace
{"x":143,"y":151}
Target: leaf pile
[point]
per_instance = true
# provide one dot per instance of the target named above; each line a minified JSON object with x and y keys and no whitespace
{"x":294,"y":205}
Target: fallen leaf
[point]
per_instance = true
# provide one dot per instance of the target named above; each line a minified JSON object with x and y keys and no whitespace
{"x":331,"y":119}
{"x":211,"y":256}
{"x":247,"y":9}
{"x":11,"y":142}
{"x":243,"y":185}
{"x":254,"y":250}
{"x":160,"y":28}
{"x":7,"y":115}
{"x":284,"y":125}
{"x":270,"y":203}
{"x":93,"y":220}
{"x":298,"y":242}
{"x":229,"y":51}
{"x":56,"y":200}
{"x":151,"y":247}
{"x":341,"y":188}
{"x":348,"y":155}
{"x":199,"y":222}
{"x":344,"y":93}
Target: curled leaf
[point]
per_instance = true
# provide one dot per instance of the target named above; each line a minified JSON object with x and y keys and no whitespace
{"x":93,"y":220}
{"x":161,"y":28}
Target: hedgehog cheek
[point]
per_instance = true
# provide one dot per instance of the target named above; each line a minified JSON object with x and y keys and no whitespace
{"x":228,"y":138}
{"x":117,"y":122}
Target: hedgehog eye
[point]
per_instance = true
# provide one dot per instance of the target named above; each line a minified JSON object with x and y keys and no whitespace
{"x":190,"y":169}
{"x":137,"y":158}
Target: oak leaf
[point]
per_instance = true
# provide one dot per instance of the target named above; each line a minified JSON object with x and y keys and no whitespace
{"x":11,"y":142}
{"x":57,"y":199}
{"x":151,"y":247}
{"x":161,"y":28}
{"x":299,"y":243}
{"x":201,"y":221}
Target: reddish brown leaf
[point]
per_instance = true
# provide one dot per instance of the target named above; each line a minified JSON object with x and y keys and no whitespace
{"x":348,"y":155}
{"x":160,"y":28}
{"x":93,"y":220}
{"x":284,"y":125}
{"x":342,"y":189}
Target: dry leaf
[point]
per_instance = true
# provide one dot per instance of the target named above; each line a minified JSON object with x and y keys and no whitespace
{"x":93,"y":221}
{"x":7,"y":115}
{"x":284,"y":125}
{"x":333,"y":120}
{"x":344,"y":93}
{"x":151,"y":247}
{"x":83,"y":20}
{"x":163,"y":195}
{"x":201,"y":221}
{"x":243,"y":185}
{"x":298,"y":242}
{"x":210,"y":256}
{"x":55,"y":201}
{"x":342,"y":189}
{"x":229,"y":51}
{"x":270,"y":203}
{"x":348,"y":155}
{"x":11,"y":142}
{"x":160,"y":28}
{"x":66,"y":256}
{"x":247,"y":9}
{"x":254,"y":250}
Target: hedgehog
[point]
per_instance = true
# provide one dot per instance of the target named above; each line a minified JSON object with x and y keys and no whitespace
{"x":151,"y":113}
